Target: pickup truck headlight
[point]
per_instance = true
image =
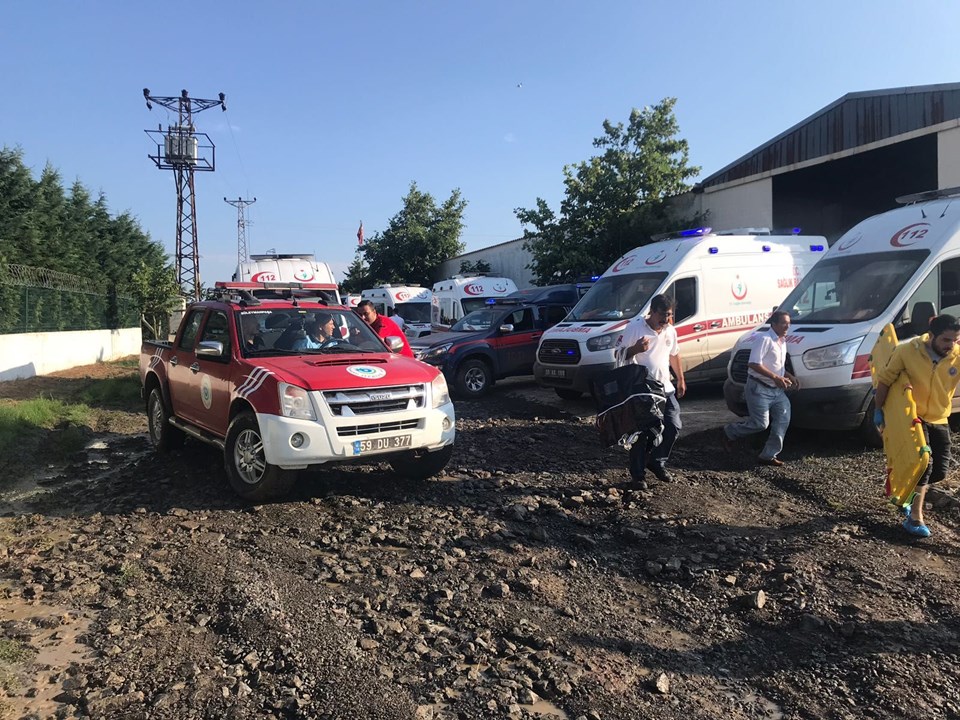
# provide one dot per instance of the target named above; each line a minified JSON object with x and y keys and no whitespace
{"x":603,"y":342}
{"x":295,"y":402}
{"x":434,"y":353}
{"x":439,"y":391}
{"x":832,"y":355}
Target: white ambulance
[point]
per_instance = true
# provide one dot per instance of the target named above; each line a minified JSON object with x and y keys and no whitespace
{"x":900,"y":267}
{"x":290,"y":268}
{"x":351,"y":300}
{"x":412,"y":304}
{"x":459,"y":296}
{"x":723,"y":283}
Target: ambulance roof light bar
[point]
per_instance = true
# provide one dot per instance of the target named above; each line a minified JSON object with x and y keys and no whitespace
{"x":929,"y":195}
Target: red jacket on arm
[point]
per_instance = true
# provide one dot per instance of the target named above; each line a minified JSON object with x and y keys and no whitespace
{"x":385,"y":327}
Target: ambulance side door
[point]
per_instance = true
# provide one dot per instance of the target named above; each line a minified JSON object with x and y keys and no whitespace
{"x":691,"y":325}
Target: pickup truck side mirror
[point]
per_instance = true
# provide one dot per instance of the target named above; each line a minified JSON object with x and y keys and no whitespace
{"x":394,"y":343}
{"x":506,"y":328}
{"x":210,"y":348}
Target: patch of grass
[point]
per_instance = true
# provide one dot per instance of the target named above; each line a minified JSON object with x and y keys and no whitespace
{"x":25,"y":424}
{"x":130,"y":574}
{"x":120,"y":392}
{"x":12,"y":652}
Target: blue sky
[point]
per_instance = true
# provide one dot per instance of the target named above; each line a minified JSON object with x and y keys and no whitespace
{"x":334,"y":108}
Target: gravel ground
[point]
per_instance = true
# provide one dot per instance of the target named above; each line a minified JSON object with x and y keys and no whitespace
{"x":530,"y":581}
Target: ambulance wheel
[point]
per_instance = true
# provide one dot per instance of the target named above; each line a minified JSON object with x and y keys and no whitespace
{"x":870,"y":433}
{"x":163,"y":436}
{"x":423,"y":465}
{"x":474,"y":379}
{"x":567,"y":393}
{"x":250,"y":475}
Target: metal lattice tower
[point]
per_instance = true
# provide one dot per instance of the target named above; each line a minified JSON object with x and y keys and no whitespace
{"x":184,"y":152}
{"x":241,"y":206}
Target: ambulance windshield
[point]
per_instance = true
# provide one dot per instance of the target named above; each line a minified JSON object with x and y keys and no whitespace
{"x":617,"y":296}
{"x":851,"y":288}
{"x":415,"y":312}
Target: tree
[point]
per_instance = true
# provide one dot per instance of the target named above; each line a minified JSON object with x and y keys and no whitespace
{"x":417,"y":240}
{"x":612,"y":202}
{"x":480,"y":267}
{"x":356,"y":275}
{"x":157,"y":293}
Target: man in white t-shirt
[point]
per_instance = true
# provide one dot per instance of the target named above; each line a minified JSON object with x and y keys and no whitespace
{"x":652,"y":341}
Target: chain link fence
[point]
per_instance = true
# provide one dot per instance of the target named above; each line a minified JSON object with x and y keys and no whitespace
{"x":42,"y":300}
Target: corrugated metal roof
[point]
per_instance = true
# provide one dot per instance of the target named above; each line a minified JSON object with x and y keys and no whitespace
{"x":856,"y":119}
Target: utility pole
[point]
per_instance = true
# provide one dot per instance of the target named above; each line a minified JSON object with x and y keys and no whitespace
{"x":181,"y":149}
{"x":241,"y":205}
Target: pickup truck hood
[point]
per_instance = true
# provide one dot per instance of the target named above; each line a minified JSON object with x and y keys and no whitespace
{"x":439,"y":338}
{"x":343,"y":371}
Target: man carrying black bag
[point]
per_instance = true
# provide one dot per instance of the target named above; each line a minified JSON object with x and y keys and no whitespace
{"x":652,"y":342}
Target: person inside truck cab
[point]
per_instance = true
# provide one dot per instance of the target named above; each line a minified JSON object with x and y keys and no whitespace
{"x":250,"y":327}
{"x":382,"y":325}
{"x":319,"y":331}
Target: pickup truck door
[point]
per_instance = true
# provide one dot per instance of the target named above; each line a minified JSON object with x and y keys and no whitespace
{"x":517,"y":349}
{"x":214,"y":373}
{"x":182,"y":382}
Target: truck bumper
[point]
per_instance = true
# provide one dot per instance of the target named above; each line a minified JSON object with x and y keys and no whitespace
{"x":575,"y":377}
{"x":336,"y":439}
{"x":834,"y":408}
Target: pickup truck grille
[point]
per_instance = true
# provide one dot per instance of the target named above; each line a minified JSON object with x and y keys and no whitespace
{"x":376,"y":428}
{"x":348,"y":403}
{"x":738,"y":368}
{"x":559,"y":352}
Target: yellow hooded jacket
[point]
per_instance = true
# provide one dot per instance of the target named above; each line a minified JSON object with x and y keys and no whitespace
{"x":933,"y":385}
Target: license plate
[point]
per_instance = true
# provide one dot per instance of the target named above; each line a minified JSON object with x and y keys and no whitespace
{"x":382,"y":444}
{"x":554,"y":372}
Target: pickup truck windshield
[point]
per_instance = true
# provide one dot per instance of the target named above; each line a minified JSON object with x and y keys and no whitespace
{"x":282,"y":331}
{"x":617,"y":296}
{"x":851,"y":288}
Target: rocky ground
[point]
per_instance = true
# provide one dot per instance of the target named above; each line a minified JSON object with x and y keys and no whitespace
{"x":528,"y":582}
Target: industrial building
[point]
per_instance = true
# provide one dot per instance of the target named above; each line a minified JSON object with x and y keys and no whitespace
{"x":847,"y":161}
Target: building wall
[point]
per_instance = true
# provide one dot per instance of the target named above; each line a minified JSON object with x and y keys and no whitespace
{"x":28,"y":354}
{"x":508,"y":259}
{"x":948,"y":158}
{"x":741,"y":205}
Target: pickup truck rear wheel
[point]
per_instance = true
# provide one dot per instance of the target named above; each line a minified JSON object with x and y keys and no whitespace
{"x":163,"y":436}
{"x":250,"y":475}
{"x":474,"y":379}
{"x":422,"y":466}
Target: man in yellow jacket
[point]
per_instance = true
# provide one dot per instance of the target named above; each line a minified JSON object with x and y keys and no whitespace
{"x":931,"y":363}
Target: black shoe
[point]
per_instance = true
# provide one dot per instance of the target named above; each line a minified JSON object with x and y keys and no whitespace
{"x":660,"y":473}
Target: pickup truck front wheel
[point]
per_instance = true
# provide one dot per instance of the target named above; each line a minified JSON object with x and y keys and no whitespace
{"x":250,"y":475}
{"x":474,"y":379}
{"x":163,"y":436}
{"x":422,"y":466}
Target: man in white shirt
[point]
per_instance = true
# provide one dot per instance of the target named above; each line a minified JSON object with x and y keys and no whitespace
{"x":652,"y":341}
{"x":766,"y":392}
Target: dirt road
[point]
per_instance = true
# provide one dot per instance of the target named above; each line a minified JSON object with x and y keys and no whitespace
{"x":528,"y":582}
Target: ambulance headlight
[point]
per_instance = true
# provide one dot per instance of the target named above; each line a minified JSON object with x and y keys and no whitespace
{"x":295,"y":402}
{"x":832,"y":355}
{"x":439,"y":391}
{"x":603,"y":342}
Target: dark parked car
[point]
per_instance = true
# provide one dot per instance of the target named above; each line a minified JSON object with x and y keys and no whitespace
{"x":495,"y":342}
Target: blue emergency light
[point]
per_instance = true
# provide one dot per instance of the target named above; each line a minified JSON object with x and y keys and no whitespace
{"x":816,"y":248}
{"x":714,"y":251}
{"x":695,"y":232}
{"x":766,"y":248}
{"x":491,"y":301}
{"x":796,"y":231}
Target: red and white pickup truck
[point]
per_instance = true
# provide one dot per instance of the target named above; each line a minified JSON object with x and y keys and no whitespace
{"x":281,"y":385}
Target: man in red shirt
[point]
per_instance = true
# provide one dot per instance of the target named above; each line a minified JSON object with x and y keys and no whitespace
{"x":382,"y":325}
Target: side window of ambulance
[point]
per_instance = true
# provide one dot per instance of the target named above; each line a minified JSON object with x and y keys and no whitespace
{"x":190,"y":329}
{"x":920,"y":307}
{"x":949,"y":287}
{"x":684,"y":294}
{"x":216,"y":330}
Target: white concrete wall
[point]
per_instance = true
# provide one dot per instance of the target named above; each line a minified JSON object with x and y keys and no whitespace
{"x":948,"y":158}
{"x":747,"y":204}
{"x":25,"y":355}
{"x":507,"y":259}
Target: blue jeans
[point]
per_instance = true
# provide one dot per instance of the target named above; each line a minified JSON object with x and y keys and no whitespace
{"x":768,"y":407}
{"x":659,"y":454}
